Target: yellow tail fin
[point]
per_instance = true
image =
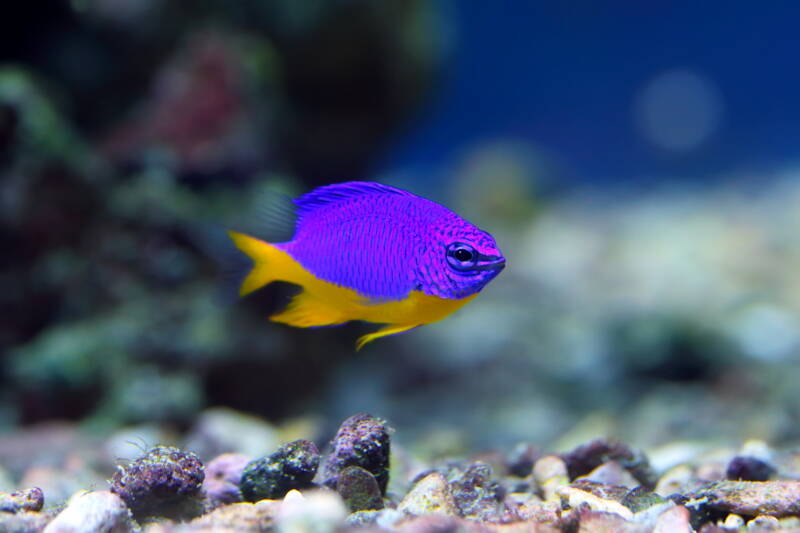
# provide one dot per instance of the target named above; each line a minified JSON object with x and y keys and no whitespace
{"x":267,"y":261}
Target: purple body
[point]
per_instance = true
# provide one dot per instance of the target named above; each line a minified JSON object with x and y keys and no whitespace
{"x":385,"y":242}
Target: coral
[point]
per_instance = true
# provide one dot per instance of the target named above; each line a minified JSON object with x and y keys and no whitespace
{"x":293,"y":466}
{"x":362,"y":440}
{"x":163,"y":482}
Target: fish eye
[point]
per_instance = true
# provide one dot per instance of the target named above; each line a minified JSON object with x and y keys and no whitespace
{"x":461,"y":256}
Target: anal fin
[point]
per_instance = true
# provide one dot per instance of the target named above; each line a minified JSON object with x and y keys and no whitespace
{"x":391,"y":329}
{"x":306,"y":311}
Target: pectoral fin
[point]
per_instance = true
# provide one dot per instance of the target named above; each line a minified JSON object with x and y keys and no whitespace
{"x":391,"y":329}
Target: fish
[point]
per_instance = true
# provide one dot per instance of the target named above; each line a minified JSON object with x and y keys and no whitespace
{"x":366,"y":251}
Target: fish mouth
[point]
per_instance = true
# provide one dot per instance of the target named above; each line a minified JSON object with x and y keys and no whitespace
{"x":490,"y":263}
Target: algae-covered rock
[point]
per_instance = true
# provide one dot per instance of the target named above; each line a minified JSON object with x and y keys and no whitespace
{"x":430,"y":495}
{"x":22,"y":500}
{"x":476,"y":494}
{"x":293,"y":466}
{"x":750,"y":498}
{"x":362,"y":440}
{"x":359,"y":489}
{"x":163,"y":482}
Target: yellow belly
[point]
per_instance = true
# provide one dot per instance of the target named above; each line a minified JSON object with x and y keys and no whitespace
{"x":322,"y":303}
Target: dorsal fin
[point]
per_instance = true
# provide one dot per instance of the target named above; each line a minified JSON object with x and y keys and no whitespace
{"x":332,"y":194}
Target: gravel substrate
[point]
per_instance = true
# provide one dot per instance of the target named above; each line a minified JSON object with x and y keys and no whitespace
{"x":601,"y":486}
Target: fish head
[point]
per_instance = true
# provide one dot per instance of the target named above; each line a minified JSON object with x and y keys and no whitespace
{"x":459,"y":260}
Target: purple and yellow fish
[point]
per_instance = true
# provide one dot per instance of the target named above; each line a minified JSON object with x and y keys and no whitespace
{"x":366,"y":251}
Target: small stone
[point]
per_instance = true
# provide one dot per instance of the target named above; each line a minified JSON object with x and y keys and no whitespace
{"x":743,"y":468}
{"x":164,"y":482}
{"x":521,"y":459}
{"x":293,"y":466}
{"x":674,"y":520}
{"x":23,"y":522}
{"x":640,"y":499}
{"x":751,"y":498}
{"x":586,"y":458}
{"x":605,"y":522}
{"x":430,"y":495}
{"x":315,"y":512}
{"x":22,"y":500}
{"x":240,"y":517}
{"x":359,"y":489}
{"x":733,"y":521}
{"x":596,"y":497}
{"x":550,"y":473}
{"x":223,"y":475}
{"x":362,"y":518}
{"x":476,"y":495}
{"x":761,"y":523}
{"x":93,"y":512}
{"x":611,"y":473}
{"x":362,"y":440}
{"x":547,"y":512}
{"x":676,"y":480}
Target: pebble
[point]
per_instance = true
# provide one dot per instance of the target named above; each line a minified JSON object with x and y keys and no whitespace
{"x":596,"y":497}
{"x":477,"y":496}
{"x":611,"y":473}
{"x":583,"y":459}
{"x":22,"y":500}
{"x":550,"y":473}
{"x":292,"y":466}
{"x":243,"y":517}
{"x":430,"y":495}
{"x":362,"y":440}
{"x":23,"y":522}
{"x":359,"y":489}
{"x":745,"y":468}
{"x":93,"y":512}
{"x":317,"y":511}
{"x":674,"y":520}
{"x":163,"y":482}
{"x":521,"y":459}
{"x":751,"y":498}
{"x":223,"y":475}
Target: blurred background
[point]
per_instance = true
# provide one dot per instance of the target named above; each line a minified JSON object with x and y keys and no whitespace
{"x":637,"y":163}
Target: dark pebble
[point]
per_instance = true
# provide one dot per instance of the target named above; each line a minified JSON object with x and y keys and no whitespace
{"x":293,"y":466}
{"x":359,"y":489}
{"x":362,"y":440}
{"x":587,"y":457}
{"x":744,"y":468}
{"x":521,"y":459}
{"x":164,"y":482}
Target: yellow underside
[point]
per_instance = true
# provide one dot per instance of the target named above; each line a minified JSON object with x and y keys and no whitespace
{"x":322,"y":303}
